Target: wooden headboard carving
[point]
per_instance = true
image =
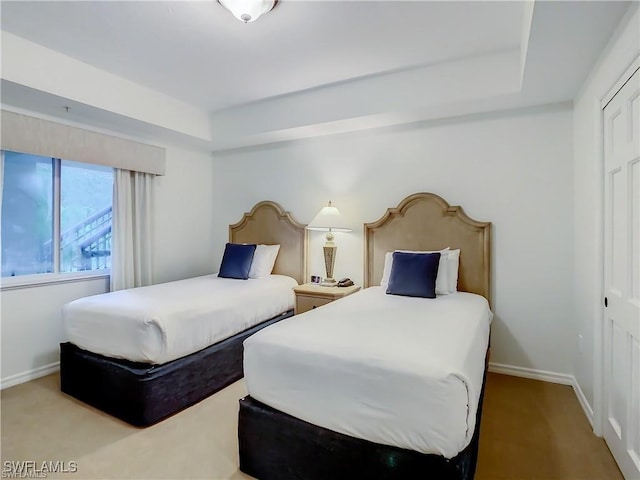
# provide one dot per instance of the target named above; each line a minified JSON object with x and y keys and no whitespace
{"x":268,"y":223}
{"x":425,"y":221}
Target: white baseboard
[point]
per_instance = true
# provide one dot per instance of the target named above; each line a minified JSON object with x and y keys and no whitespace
{"x":29,"y":375}
{"x":546,"y":376}
{"x":531,"y":373}
{"x":588,"y":411}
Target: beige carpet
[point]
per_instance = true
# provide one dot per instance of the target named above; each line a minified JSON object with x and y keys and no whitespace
{"x":531,"y":430}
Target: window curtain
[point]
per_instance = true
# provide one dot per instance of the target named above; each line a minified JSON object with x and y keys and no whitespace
{"x":1,"y":195}
{"x":131,"y":252}
{"x":1,"y":177}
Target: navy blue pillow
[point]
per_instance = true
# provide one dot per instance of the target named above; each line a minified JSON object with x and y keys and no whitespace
{"x":236,"y":261}
{"x":414,"y":274}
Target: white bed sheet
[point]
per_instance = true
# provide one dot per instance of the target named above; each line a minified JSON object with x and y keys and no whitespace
{"x":166,"y":321}
{"x":393,"y":370}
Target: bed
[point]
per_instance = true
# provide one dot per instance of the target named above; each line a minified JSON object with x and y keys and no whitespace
{"x":327,"y":396}
{"x":144,"y":354}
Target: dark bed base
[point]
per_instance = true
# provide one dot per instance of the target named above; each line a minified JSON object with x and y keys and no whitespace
{"x":277,"y":446}
{"x":143,"y":394}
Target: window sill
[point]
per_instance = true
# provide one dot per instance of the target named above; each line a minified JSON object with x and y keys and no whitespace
{"x":30,"y":281}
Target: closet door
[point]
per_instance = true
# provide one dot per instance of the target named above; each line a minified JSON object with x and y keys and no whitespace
{"x":622,"y":277}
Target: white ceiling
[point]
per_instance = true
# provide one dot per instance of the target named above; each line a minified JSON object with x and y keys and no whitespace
{"x":197,"y":52}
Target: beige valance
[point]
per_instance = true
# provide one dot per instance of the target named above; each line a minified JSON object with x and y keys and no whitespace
{"x":25,"y":134}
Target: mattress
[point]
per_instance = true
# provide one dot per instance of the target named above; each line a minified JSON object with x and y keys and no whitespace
{"x":162,"y":322}
{"x":398,"y":371}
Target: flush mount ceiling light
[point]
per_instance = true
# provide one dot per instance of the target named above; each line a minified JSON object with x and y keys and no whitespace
{"x":248,"y":10}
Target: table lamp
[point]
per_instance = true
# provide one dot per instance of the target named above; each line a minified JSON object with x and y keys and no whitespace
{"x":329,"y":220}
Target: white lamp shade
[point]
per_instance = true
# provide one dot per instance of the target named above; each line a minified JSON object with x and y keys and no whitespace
{"x":248,"y":10}
{"x":329,"y":219}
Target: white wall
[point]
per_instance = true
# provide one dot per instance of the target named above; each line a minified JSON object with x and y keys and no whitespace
{"x":183,"y":231}
{"x":513,"y":169}
{"x":32,"y":327}
{"x":183,"y":225}
{"x":623,"y":48}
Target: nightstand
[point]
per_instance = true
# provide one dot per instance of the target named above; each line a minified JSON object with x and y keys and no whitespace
{"x":310,"y":295}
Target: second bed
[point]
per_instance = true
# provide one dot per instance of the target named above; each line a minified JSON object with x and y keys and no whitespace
{"x":146,"y":353}
{"x":378,"y":385}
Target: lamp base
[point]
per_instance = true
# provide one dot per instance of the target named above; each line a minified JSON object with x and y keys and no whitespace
{"x":329,"y":250}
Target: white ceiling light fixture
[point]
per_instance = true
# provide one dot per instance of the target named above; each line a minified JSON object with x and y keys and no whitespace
{"x":248,"y":10}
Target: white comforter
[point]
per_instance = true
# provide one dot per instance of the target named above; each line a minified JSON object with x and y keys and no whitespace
{"x":394,"y":370}
{"x":163,"y":322}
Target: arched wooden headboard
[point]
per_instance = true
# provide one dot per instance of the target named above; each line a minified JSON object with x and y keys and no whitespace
{"x":425,"y":221}
{"x":268,"y":223}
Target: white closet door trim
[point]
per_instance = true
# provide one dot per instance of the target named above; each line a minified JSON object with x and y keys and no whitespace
{"x":635,"y":65}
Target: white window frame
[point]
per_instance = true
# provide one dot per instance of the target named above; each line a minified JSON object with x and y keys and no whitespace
{"x":55,"y":277}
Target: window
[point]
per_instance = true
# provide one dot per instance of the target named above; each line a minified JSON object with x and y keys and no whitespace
{"x":56,"y":215}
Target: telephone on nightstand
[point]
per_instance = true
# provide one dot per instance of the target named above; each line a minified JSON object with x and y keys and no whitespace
{"x":345,"y":282}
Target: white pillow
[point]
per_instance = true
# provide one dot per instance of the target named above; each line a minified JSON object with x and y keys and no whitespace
{"x":386,"y":271}
{"x":453,"y":261}
{"x":263,"y":261}
{"x":442,"y":280}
